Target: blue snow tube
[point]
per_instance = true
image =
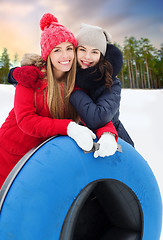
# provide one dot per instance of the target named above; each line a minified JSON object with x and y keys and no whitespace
{"x":57,"y":192}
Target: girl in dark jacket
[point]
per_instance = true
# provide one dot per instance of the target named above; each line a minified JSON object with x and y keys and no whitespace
{"x":97,"y":98}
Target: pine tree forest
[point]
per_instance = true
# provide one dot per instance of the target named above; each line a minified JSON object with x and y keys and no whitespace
{"x":142,"y":64}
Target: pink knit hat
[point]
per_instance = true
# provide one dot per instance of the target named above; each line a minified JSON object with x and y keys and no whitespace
{"x":53,"y":34}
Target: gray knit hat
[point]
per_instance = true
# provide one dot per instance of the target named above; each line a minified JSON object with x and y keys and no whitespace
{"x":93,"y":36}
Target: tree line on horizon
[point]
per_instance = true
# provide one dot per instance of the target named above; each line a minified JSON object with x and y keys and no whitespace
{"x":142,"y":64}
{"x":6,"y":64}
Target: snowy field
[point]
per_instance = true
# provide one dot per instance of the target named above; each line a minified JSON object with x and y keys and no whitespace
{"x":141,"y":113}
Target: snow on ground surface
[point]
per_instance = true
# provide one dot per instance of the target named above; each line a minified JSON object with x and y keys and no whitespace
{"x":141,"y":113}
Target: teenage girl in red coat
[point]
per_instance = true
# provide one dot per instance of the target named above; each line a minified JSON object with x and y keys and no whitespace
{"x":43,"y":110}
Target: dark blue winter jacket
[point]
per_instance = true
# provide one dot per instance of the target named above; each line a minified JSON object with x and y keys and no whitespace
{"x":97,"y":104}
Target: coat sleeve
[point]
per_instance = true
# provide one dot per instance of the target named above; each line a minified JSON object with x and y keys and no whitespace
{"x":10,"y":78}
{"x":97,"y":113}
{"x":109,"y":127}
{"x":30,"y":122}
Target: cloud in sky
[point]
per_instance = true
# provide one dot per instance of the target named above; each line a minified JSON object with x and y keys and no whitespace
{"x":20,"y":9}
{"x":19,"y":20}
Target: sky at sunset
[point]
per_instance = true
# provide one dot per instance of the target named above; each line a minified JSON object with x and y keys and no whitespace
{"x":19,"y":20}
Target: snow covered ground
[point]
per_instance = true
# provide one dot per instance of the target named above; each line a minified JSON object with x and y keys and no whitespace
{"x":141,"y":113}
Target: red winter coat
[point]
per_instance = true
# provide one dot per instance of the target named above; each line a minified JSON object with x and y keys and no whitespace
{"x":29,"y":123}
{"x":26,"y":126}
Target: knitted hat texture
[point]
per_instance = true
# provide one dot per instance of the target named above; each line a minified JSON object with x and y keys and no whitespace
{"x":93,"y":36}
{"x":53,"y":34}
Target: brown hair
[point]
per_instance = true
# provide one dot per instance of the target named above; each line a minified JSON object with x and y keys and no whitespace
{"x":106,"y":70}
{"x":58,"y":102}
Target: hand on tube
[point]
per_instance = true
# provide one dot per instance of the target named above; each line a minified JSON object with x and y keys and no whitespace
{"x":82,"y":135}
{"x":108,"y":145}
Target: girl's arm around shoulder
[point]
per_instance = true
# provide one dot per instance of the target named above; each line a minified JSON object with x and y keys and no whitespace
{"x":30,"y":122}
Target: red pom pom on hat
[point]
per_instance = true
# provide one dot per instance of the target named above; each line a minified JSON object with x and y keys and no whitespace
{"x":46,"y":20}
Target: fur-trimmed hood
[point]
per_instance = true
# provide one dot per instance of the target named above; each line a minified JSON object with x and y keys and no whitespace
{"x":32,"y":59}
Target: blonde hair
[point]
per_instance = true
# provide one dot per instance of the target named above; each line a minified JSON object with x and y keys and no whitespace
{"x":58,"y":101}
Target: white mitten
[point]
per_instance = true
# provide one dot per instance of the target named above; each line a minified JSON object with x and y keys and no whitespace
{"x":108,"y":145}
{"x":82,"y":135}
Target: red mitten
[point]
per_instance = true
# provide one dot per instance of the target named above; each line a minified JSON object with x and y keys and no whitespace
{"x":28,"y":76}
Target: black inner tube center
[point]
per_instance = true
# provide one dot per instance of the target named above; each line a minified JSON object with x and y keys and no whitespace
{"x":105,"y":209}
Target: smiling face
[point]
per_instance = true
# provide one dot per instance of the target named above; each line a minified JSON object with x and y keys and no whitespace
{"x":62,"y":57}
{"x":87,"y":56}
